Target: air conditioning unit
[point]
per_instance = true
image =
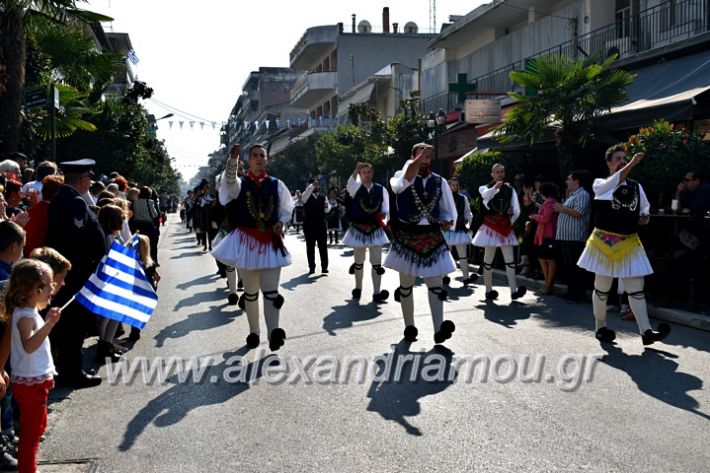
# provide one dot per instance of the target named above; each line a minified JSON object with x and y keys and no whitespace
{"x":619,"y":46}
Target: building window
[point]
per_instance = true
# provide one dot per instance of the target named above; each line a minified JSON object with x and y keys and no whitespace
{"x":668,"y":15}
{"x":623,"y":18}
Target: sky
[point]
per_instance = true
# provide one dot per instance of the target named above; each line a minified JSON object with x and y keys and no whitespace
{"x":197,"y":55}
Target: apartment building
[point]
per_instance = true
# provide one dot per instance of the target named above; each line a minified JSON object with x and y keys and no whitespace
{"x":664,"y":42}
{"x":336,"y":62}
{"x":263,"y":108}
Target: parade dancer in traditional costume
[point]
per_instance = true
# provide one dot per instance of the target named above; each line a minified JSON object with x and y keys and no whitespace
{"x":458,"y":236}
{"x":500,"y":211}
{"x":367,"y":209}
{"x":234,"y":281}
{"x":424,"y":206}
{"x":263,"y":207}
{"x":614,"y":249}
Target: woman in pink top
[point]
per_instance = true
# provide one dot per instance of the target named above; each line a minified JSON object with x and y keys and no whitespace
{"x":546,"y":220}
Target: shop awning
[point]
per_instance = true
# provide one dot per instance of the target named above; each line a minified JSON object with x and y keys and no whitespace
{"x":354,"y":96}
{"x":668,"y":90}
{"x":473,"y":151}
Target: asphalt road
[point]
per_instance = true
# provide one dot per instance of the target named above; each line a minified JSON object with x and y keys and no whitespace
{"x":619,"y":408}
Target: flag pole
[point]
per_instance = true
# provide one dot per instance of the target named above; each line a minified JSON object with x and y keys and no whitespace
{"x":68,"y":302}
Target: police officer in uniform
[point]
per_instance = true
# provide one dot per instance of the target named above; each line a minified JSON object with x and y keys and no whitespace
{"x":74,"y":231}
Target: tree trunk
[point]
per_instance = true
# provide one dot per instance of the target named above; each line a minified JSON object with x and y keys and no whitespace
{"x":12,"y":43}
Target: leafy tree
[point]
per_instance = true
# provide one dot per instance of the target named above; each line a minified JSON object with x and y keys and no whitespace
{"x":670,"y":153}
{"x":14,"y":16}
{"x":295,"y":164}
{"x":338,"y":151}
{"x":405,"y":129}
{"x":572,"y":93}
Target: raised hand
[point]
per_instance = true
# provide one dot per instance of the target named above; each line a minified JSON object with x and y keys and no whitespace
{"x":235,"y":152}
{"x":53,"y":315}
{"x":21,"y":218}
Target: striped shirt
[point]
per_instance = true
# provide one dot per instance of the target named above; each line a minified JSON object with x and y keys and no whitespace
{"x":144,"y":210}
{"x":570,"y":228}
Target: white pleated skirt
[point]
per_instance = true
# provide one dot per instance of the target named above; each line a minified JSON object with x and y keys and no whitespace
{"x":240,"y":250}
{"x":356,"y":239}
{"x":440,"y":264}
{"x":635,"y":264}
{"x":486,"y":236}
{"x":457,"y":238}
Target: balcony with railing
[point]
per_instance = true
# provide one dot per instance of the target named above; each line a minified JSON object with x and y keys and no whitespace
{"x":313,"y":45}
{"x":313,"y":87}
{"x":652,"y":29}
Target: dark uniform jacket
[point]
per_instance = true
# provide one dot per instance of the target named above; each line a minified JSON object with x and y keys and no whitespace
{"x":74,"y":231}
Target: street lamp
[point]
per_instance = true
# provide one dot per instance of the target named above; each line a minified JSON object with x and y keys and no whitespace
{"x":166,"y":116}
{"x":434,"y":123}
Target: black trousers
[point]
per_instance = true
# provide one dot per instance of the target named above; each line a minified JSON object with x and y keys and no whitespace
{"x":576,"y":277}
{"x":317,"y":235}
{"x":67,"y":339}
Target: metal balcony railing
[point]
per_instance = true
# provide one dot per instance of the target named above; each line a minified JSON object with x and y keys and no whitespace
{"x":656,"y":27}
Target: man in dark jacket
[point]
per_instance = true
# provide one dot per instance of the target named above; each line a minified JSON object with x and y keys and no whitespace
{"x":74,"y":231}
{"x":315,"y":206}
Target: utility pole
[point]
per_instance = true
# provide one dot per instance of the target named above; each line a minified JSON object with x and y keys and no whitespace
{"x":432,"y":16}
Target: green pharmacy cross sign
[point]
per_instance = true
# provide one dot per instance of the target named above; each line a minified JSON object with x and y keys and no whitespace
{"x":461,"y":86}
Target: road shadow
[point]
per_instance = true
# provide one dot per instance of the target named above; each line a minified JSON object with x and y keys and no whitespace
{"x":509,"y":315}
{"x":458,"y":292}
{"x":212,"y":295}
{"x":400,"y":383}
{"x":188,"y":254}
{"x":345,"y":316}
{"x":171,"y":407}
{"x":214,"y":317}
{"x":302,"y":280}
{"x":656,"y":374}
{"x":201,"y":281}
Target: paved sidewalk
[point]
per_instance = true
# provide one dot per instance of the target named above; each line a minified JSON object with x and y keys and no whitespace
{"x":678,"y":316}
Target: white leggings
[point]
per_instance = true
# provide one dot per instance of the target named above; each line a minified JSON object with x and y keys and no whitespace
{"x":637,"y":300}
{"x":233,"y":275}
{"x":375,"y":261}
{"x":508,"y":256}
{"x":462,"y":251}
{"x":436,"y":305}
{"x":266,"y":280}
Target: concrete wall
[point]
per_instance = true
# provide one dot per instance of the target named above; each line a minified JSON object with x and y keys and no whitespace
{"x":365,"y":54}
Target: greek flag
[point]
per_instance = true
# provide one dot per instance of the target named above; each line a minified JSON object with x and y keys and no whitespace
{"x":135,"y":243}
{"x":119,"y":289}
{"x":133,"y":57}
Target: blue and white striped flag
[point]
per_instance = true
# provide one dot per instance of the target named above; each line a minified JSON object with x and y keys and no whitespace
{"x":133,"y":57}
{"x":135,"y":243}
{"x":119,"y":289}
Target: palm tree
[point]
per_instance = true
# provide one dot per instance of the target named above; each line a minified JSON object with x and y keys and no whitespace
{"x":14,"y":17}
{"x":572,"y":93}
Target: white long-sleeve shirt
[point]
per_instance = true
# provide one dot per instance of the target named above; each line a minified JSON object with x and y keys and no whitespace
{"x":604,"y":190}
{"x":487,"y":193}
{"x":447,"y":206}
{"x":230,"y":187}
{"x":307,"y":195}
{"x":354,"y":185}
{"x":467,"y":214}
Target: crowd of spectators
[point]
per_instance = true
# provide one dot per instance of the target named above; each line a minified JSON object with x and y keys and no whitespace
{"x":68,"y":218}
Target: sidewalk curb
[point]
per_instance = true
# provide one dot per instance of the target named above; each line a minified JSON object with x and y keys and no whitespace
{"x":676,"y":316}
